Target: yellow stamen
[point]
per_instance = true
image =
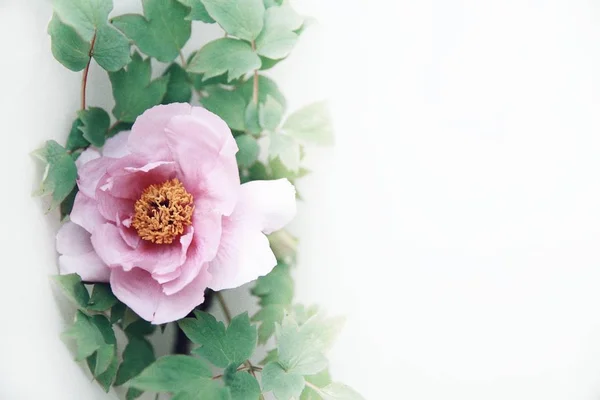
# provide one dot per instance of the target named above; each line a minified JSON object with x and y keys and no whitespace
{"x":163,"y":211}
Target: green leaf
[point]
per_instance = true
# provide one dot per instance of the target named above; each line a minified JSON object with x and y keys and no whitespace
{"x":270,"y":113}
{"x":319,"y":380}
{"x":138,"y":355}
{"x":139,"y":328}
{"x":248,"y":150}
{"x":242,"y":385}
{"x":104,"y":357}
{"x":133,"y":91}
{"x":278,"y":38}
{"x":83,"y":15}
{"x":172,"y":373}
{"x":119,"y":127}
{"x":111,"y":48}
{"x":251,"y":119}
{"x":271,"y":3}
{"x":60,"y":175}
{"x":277,"y":287}
{"x":90,"y":334}
{"x":339,"y":391}
{"x":301,"y":348}
{"x":227,"y":104}
{"x":239,"y":18}
{"x":268,"y":63}
{"x":268,"y":316}
{"x":286,"y":149}
{"x":67,"y":46}
{"x":75,"y":140}
{"x":284,"y":385}
{"x":67,"y":205}
{"x":94,"y":125}
{"x":271,"y":356}
{"x":302,"y":314}
{"x":79,"y":29}
{"x":198,"y":11}
{"x":117,"y":312}
{"x":162,"y":31}
{"x":224,"y":55}
{"x":266,"y":87}
{"x":73,"y":288}
{"x":204,"y":389}
{"x":102,"y":298}
{"x":311,"y":124}
{"x":106,"y":378}
{"x":221,"y":346}
{"x":133,"y":393}
{"x":179,"y":88}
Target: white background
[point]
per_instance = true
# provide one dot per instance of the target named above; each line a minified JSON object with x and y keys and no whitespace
{"x":456,"y":222}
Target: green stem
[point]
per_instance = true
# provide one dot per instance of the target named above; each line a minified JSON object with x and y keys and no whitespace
{"x":224,"y":307}
{"x":86,"y":72}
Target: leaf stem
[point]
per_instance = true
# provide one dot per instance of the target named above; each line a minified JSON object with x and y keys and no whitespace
{"x":86,"y":72}
{"x":224,"y":306}
{"x":227,"y":313}
{"x":182,"y":58}
{"x":245,"y":368}
{"x":313,"y":387}
{"x":255,"y":83}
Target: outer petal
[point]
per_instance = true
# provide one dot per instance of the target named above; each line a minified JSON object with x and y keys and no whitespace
{"x":90,"y":174}
{"x":243,"y":256}
{"x":148,"y":132}
{"x":89,"y":154}
{"x":85,"y":212}
{"x":244,"y":253}
{"x":204,"y":148}
{"x":116,"y":146}
{"x":269,"y":204}
{"x":144,"y":295}
{"x":78,"y":255}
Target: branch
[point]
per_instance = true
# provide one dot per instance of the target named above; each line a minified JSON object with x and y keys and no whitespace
{"x":86,"y":72}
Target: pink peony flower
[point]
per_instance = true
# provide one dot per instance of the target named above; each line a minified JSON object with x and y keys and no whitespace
{"x":161,"y":214}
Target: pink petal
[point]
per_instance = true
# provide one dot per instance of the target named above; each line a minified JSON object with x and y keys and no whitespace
{"x":116,"y":146}
{"x":204,"y":148}
{"x":138,"y":290}
{"x":89,"y":154}
{"x":154,"y":258}
{"x":88,"y":266}
{"x":111,"y":248}
{"x":78,"y":255}
{"x":144,"y":295}
{"x":110,"y":206}
{"x":269,"y":204}
{"x":90,"y":174}
{"x":132,"y":181}
{"x":147,"y":134}
{"x":243,"y":256}
{"x":72,"y":239}
{"x":207,"y":236}
{"x":85,"y":212}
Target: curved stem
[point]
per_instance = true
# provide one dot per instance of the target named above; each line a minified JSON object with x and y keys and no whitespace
{"x":313,"y":387}
{"x":224,"y":306}
{"x":86,"y":72}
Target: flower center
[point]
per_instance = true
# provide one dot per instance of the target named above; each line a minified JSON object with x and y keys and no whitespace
{"x":163,"y":211}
